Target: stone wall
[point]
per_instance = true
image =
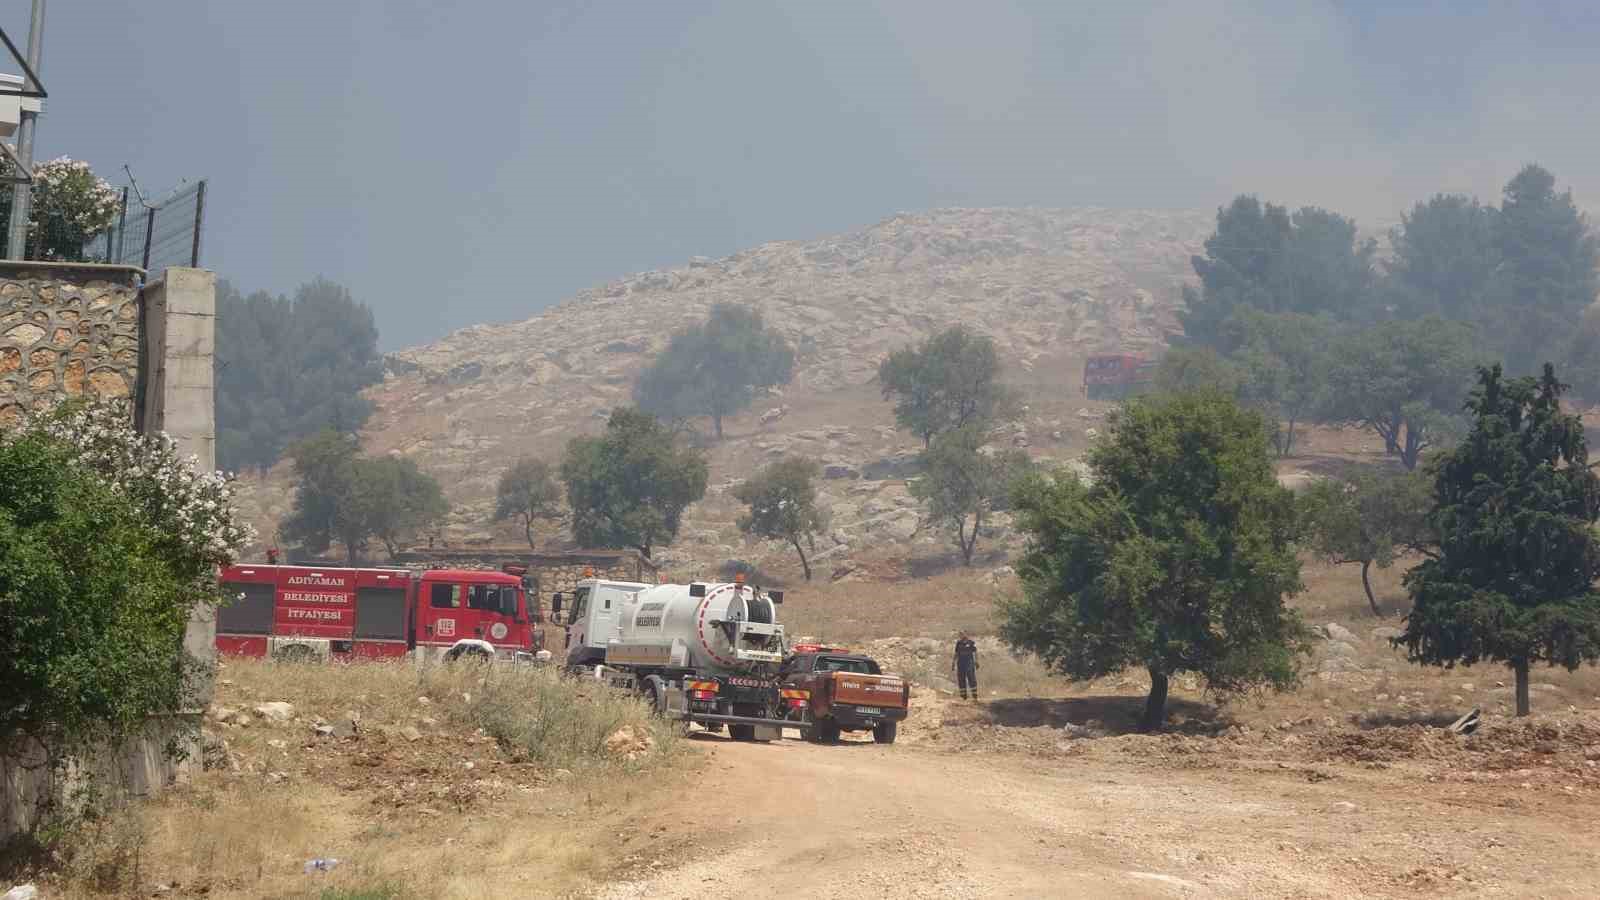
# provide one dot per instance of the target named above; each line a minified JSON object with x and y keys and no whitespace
{"x":552,"y":571}
{"x":74,"y":330}
{"x":66,"y":331}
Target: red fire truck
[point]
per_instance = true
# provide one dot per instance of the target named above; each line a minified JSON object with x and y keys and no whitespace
{"x":306,"y":612}
{"x":1117,"y":376}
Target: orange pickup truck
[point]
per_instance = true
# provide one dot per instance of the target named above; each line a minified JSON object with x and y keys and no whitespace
{"x":843,"y":691}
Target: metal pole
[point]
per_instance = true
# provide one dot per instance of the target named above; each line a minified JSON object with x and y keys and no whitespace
{"x":149,"y":233}
{"x":199,"y":219}
{"x":122,"y":229}
{"x":22,"y":194}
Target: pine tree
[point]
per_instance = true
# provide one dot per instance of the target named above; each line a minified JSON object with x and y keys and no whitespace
{"x":1514,"y":508}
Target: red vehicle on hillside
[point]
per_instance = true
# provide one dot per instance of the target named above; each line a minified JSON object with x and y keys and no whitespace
{"x":315,"y":612}
{"x":1117,"y":376}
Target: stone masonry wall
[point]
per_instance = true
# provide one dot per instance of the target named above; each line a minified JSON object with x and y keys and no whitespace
{"x":552,"y":571}
{"x":66,"y":332}
{"x":72,"y":330}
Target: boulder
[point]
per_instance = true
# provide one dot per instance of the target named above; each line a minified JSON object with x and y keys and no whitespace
{"x":1336,"y":665}
{"x":1337,"y":632}
{"x":835,"y":470}
{"x":275,"y":711}
{"x":630,"y":742}
{"x":1386,"y":633}
{"x":1341,"y":650}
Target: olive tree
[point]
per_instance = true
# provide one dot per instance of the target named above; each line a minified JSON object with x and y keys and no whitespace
{"x":629,"y":486}
{"x":962,"y":485}
{"x":714,"y":368}
{"x":950,"y":381}
{"x":527,"y":492}
{"x":1367,"y":517}
{"x":1176,"y":558}
{"x":781,"y":505}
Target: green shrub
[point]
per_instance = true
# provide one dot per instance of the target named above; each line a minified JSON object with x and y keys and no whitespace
{"x":540,"y":714}
{"x":107,"y":542}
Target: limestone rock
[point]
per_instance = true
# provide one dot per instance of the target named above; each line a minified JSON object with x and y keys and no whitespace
{"x":630,"y":742}
{"x":275,"y":711}
{"x":1337,"y":632}
{"x":840,"y":470}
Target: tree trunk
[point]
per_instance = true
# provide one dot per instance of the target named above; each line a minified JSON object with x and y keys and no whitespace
{"x":967,"y":543}
{"x":804,"y":564}
{"x":1520,"y":666}
{"x":643,"y":548}
{"x":1288,"y":439}
{"x":1366,"y":564}
{"x":716,"y":424}
{"x":527,"y":529}
{"x":1412,"y":450}
{"x":1155,"y":705}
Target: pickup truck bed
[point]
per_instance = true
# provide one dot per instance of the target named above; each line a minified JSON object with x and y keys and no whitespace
{"x":846,"y":692}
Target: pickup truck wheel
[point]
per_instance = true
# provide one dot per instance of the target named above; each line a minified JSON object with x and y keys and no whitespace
{"x":742,"y":732}
{"x":884,"y":732}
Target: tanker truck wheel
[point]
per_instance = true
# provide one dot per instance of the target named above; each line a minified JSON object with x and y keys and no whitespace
{"x":825,"y":731}
{"x":651,"y":691}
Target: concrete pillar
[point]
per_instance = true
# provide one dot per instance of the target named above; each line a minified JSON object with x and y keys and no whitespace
{"x":179,"y":314}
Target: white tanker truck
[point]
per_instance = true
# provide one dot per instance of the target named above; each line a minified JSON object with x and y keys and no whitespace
{"x":704,"y":652}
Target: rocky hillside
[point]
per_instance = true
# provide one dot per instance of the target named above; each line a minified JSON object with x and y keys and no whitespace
{"x":1049,"y":285}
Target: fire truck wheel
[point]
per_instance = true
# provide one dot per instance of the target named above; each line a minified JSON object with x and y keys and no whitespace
{"x":295,"y":653}
{"x":742,"y":732}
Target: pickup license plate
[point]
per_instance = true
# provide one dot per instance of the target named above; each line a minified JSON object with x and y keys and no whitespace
{"x":869,"y":710}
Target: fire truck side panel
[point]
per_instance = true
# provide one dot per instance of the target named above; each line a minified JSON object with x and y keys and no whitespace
{"x":241,"y":646}
{"x":379,"y":650}
{"x":244,"y":619}
{"x":315,"y":603}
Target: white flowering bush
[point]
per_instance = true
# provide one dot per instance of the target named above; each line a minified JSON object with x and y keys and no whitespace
{"x":192,"y":510}
{"x":70,"y":205}
{"x":108,"y":542}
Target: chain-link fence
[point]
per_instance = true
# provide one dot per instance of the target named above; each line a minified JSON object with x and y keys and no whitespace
{"x":155,"y":236}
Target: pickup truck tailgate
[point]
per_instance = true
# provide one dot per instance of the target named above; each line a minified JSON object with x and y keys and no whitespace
{"x":884,"y":691}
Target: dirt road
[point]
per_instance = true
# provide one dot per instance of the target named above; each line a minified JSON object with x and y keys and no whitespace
{"x":796,"y":820}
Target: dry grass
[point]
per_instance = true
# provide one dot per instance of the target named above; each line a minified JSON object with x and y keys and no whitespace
{"x":848,"y":611}
{"x":504,"y":790}
{"x":533,"y":712}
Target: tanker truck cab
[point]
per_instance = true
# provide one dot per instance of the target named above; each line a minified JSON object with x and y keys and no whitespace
{"x":596,"y":608}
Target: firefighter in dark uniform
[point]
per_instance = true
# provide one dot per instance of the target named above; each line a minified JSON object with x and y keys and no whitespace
{"x":966,"y":663}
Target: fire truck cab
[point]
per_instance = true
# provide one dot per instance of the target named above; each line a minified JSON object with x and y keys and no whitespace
{"x":305,"y":612}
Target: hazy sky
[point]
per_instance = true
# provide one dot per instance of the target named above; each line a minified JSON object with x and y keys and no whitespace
{"x":476,"y":161}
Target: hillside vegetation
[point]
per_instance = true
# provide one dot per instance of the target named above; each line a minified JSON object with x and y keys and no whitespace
{"x":1050,"y":286}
